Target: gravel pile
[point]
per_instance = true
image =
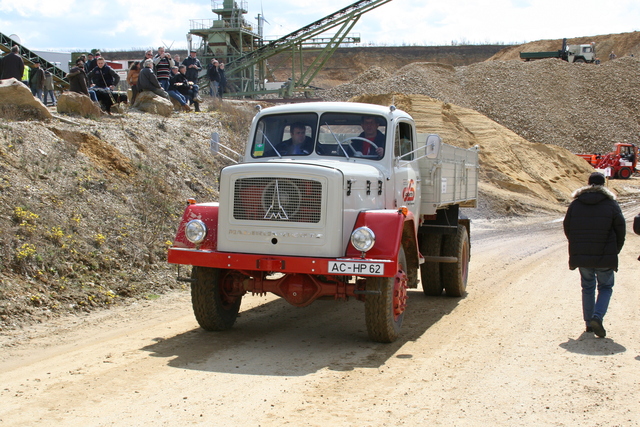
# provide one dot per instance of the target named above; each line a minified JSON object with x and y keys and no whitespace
{"x":581,"y":107}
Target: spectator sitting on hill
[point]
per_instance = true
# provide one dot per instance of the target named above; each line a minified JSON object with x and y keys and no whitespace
{"x":175,"y":84}
{"x":147,"y":81}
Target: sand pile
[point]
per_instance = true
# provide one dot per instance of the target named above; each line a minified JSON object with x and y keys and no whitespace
{"x":517,"y":176}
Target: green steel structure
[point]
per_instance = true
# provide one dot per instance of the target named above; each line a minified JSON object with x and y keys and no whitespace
{"x":233,"y":40}
{"x":29,"y":57}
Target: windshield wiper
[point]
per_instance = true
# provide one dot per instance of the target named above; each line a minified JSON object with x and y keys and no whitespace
{"x":272,"y":146}
{"x":336,"y":138}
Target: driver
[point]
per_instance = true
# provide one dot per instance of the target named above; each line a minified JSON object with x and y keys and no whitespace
{"x":298,"y":144}
{"x":370,"y":131}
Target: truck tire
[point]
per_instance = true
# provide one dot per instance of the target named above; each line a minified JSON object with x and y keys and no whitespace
{"x":455,"y":275}
{"x":431,"y":245}
{"x":579,"y":61}
{"x":384,"y":312}
{"x":214,"y":309}
{"x":625,"y":173}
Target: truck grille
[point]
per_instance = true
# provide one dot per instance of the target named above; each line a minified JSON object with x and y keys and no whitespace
{"x":277,"y":199}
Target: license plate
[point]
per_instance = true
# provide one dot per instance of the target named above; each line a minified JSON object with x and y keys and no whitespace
{"x":356,"y":268}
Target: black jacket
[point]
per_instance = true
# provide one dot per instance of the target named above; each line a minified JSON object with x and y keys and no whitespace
{"x":192,"y":73}
{"x":636,"y":224}
{"x":595,"y":228}
{"x":104,"y":77}
{"x":12,"y":66}
{"x":147,"y":80}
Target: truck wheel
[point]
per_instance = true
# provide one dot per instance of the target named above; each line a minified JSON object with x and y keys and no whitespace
{"x":384,"y":313}
{"x":431,"y":245}
{"x":214,"y":308}
{"x":624,"y":173}
{"x":455,"y":275}
{"x":579,"y":61}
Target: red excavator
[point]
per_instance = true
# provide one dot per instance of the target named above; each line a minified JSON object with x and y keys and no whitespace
{"x":620,"y":163}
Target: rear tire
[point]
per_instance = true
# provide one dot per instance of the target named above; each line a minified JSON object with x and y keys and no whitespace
{"x":625,"y":173}
{"x":215,"y":309}
{"x":431,"y":245}
{"x":455,"y":275}
{"x":384,"y":313}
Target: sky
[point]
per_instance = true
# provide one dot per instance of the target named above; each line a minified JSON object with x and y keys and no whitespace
{"x":80,"y":25}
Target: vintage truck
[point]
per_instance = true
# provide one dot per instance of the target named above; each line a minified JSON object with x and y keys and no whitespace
{"x":354,"y":204}
{"x":570,"y":53}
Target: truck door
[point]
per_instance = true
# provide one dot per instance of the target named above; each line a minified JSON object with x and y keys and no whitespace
{"x":405,"y":171}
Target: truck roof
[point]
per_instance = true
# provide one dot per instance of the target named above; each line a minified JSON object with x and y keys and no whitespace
{"x":347,"y":107}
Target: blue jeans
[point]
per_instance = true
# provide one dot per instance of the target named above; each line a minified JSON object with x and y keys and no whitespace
{"x":592,"y":306}
{"x":178,"y":97}
{"x":37,"y":93}
{"x":164,"y":83}
{"x":47,"y":94}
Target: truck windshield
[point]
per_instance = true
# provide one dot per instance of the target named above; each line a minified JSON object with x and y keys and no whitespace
{"x":355,"y":135}
{"x":336,"y":134}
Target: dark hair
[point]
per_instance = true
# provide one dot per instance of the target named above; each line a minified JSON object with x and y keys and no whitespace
{"x":79,"y":60}
{"x":297,"y":125}
{"x":135,"y":65}
{"x":596,"y":178}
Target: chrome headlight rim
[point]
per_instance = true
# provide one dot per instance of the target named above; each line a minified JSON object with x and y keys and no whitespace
{"x":363,"y":239}
{"x":195,"y":231}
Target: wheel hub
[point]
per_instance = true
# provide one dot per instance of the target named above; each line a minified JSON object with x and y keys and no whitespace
{"x":399,"y":293}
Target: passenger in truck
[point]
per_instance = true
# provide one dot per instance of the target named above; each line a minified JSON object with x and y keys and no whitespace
{"x":298,"y":144}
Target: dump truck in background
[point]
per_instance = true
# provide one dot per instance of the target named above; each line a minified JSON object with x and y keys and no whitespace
{"x":620,"y":163}
{"x":342,"y":216}
{"x":569,"y":53}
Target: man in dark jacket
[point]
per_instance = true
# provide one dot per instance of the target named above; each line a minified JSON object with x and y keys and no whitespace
{"x":595,"y":228}
{"x":78,"y":78}
{"x":12,"y":65}
{"x":148,"y":82}
{"x":36,"y":80}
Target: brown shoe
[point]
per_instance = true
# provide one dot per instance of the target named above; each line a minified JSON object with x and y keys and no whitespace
{"x":186,"y":107}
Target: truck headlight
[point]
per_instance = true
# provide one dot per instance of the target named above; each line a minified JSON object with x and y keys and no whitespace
{"x":195,"y":231}
{"x":363,"y":239}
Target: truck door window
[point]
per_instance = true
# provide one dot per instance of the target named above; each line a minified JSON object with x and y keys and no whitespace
{"x":403,"y":141}
{"x":285,"y":135}
{"x":357,"y":135}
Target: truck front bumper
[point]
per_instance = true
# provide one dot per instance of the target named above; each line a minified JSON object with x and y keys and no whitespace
{"x":284,"y":264}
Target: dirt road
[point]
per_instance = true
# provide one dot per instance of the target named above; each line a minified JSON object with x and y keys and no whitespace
{"x":512,"y":352}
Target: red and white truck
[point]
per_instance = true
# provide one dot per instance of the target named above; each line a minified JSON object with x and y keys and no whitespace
{"x":345,"y":212}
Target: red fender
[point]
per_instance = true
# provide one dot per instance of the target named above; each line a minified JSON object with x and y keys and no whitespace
{"x":387,"y":226}
{"x":205,"y":212}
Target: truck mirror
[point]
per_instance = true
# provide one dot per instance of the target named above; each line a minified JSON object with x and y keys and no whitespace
{"x":214,"y":145}
{"x":432,"y":146}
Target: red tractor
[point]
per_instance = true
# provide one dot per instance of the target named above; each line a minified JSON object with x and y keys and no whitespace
{"x":620,"y":163}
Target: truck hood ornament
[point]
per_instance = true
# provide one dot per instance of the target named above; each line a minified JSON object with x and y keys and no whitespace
{"x":276,"y":212}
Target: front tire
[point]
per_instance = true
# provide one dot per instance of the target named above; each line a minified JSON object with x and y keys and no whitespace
{"x":384,"y":313}
{"x":455,"y":275}
{"x":213,"y":305}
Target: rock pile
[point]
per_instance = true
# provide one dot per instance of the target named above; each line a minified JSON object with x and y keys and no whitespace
{"x":581,"y":107}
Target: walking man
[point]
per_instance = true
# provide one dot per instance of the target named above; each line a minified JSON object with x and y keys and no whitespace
{"x":595,"y":228}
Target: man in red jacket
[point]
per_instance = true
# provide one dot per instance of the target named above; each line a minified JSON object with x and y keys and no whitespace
{"x":595,"y":228}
